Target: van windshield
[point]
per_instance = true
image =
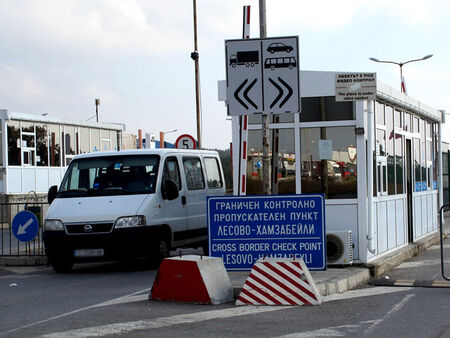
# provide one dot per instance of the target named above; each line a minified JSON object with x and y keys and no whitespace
{"x":110,"y":175}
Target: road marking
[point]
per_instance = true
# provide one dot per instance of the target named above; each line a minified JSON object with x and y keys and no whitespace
{"x":123,"y":300}
{"x":125,"y":327}
{"x":418,"y":264}
{"x":363,"y":293}
{"x":334,"y":331}
{"x":412,"y":282}
{"x":391,"y":312}
{"x":345,"y":330}
{"x":73,"y":312}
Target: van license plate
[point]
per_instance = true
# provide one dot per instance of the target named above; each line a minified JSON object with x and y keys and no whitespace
{"x":88,"y":253}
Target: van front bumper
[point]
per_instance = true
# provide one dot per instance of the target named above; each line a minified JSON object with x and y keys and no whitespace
{"x":118,"y":244}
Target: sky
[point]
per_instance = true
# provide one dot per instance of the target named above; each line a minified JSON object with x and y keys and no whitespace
{"x":57,"y":56}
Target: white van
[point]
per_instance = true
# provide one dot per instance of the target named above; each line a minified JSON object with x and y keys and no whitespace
{"x":136,"y":203}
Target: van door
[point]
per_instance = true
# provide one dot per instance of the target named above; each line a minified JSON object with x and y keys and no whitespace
{"x":174,"y":212}
{"x":195,"y":195}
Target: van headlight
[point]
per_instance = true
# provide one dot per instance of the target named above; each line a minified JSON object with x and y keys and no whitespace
{"x":53,"y":225}
{"x":129,"y":222}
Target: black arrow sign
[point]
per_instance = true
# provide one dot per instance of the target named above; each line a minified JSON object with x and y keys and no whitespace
{"x":245,"y":94}
{"x":280,"y":92}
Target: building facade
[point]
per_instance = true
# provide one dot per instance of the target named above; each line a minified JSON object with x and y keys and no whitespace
{"x":35,"y":149}
{"x":376,"y":162}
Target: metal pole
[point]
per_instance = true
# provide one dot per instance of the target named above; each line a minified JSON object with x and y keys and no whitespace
{"x":401,"y":78}
{"x":195,"y":56}
{"x":265,"y":118}
{"x":370,"y":173}
{"x":97,"y":103}
{"x":441,"y":235}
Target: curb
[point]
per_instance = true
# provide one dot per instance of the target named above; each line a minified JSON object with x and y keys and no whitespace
{"x":384,"y":264}
{"x":333,"y":286}
{"x":344,"y":284}
{"x":23,"y":260}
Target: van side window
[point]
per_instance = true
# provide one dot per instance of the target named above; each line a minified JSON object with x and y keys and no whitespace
{"x":172,"y":171}
{"x":213,"y":173}
{"x":194,"y":174}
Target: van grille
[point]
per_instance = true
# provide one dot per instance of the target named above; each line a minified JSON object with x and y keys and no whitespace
{"x":80,"y":228}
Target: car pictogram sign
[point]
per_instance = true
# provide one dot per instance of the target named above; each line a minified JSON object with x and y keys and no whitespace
{"x":263,"y":76}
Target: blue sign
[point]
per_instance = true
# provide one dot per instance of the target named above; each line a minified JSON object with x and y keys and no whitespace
{"x":243,"y":229}
{"x":25,"y":226}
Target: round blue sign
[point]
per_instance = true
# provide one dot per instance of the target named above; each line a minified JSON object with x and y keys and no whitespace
{"x":25,"y":226}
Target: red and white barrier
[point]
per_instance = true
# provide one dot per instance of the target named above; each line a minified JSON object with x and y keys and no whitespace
{"x":192,"y":279}
{"x":279,"y":281}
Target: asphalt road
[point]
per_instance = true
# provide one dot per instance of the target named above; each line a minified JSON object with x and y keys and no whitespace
{"x":111,"y":299}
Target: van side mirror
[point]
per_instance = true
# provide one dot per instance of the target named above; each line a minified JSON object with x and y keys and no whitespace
{"x":52,"y":192}
{"x":169,"y":190}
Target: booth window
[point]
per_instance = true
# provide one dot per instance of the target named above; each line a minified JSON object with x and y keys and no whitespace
{"x":399,"y":162}
{"x":398,"y":119}
{"x":1,"y":147}
{"x":283,"y":178}
{"x":281,"y":118}
{"x":408,"y":123}
{"x":326,"y":109}
{"x":14,"y":143}
{"x":417,"y":171}
{"x":328,"y":161}
{"x":41,"y":145}
{"x":423,"y":156}
{"x":399,"y":152}
{"x":416,"y":127}
{"x":95,"y":140}
{"x":84,"y":140}
{"x":55,"y":145}
{"x":379,"y":113}
{"x":105,"y":141}
{"x":114,"y":135}
{"x":389,"y":118}
{"x":435,"y":157}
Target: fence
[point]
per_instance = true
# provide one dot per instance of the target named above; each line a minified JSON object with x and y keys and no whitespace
{"x":9,"y":245}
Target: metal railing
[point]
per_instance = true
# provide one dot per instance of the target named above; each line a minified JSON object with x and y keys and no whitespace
{"x":9,"y":244}
{"x":442,"y":240}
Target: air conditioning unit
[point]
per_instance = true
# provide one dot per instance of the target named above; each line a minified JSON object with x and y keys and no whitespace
{"x":340,"y":248}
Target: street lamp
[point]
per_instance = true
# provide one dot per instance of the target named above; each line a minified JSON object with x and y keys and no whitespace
{"x":400,"y":64}
{"x":161,"y":136}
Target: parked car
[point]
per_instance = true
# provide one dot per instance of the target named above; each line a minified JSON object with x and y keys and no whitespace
{"x":115,"y":205}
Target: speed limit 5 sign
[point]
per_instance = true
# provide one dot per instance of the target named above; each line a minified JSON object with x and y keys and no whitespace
{"x":185,"y":141}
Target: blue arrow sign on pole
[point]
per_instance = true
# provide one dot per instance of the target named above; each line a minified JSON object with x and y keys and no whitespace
{"x":25,"y":226}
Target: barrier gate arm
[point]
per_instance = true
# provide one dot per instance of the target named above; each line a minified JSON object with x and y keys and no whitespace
{"x":442,"y":244}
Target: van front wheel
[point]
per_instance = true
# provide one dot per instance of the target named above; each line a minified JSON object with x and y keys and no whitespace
{"x":160,"y":250}
{"x":61,"y":264}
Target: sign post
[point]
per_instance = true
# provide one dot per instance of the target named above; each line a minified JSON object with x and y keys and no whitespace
{"x":243,"y":229}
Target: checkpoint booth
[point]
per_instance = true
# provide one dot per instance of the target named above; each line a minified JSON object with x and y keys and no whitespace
{"x":377,"y":162}
{"x":35,"y":150}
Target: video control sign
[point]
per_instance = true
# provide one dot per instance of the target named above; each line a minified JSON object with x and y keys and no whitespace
{"x":243,"y":229}
{"x":263,"y":76}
